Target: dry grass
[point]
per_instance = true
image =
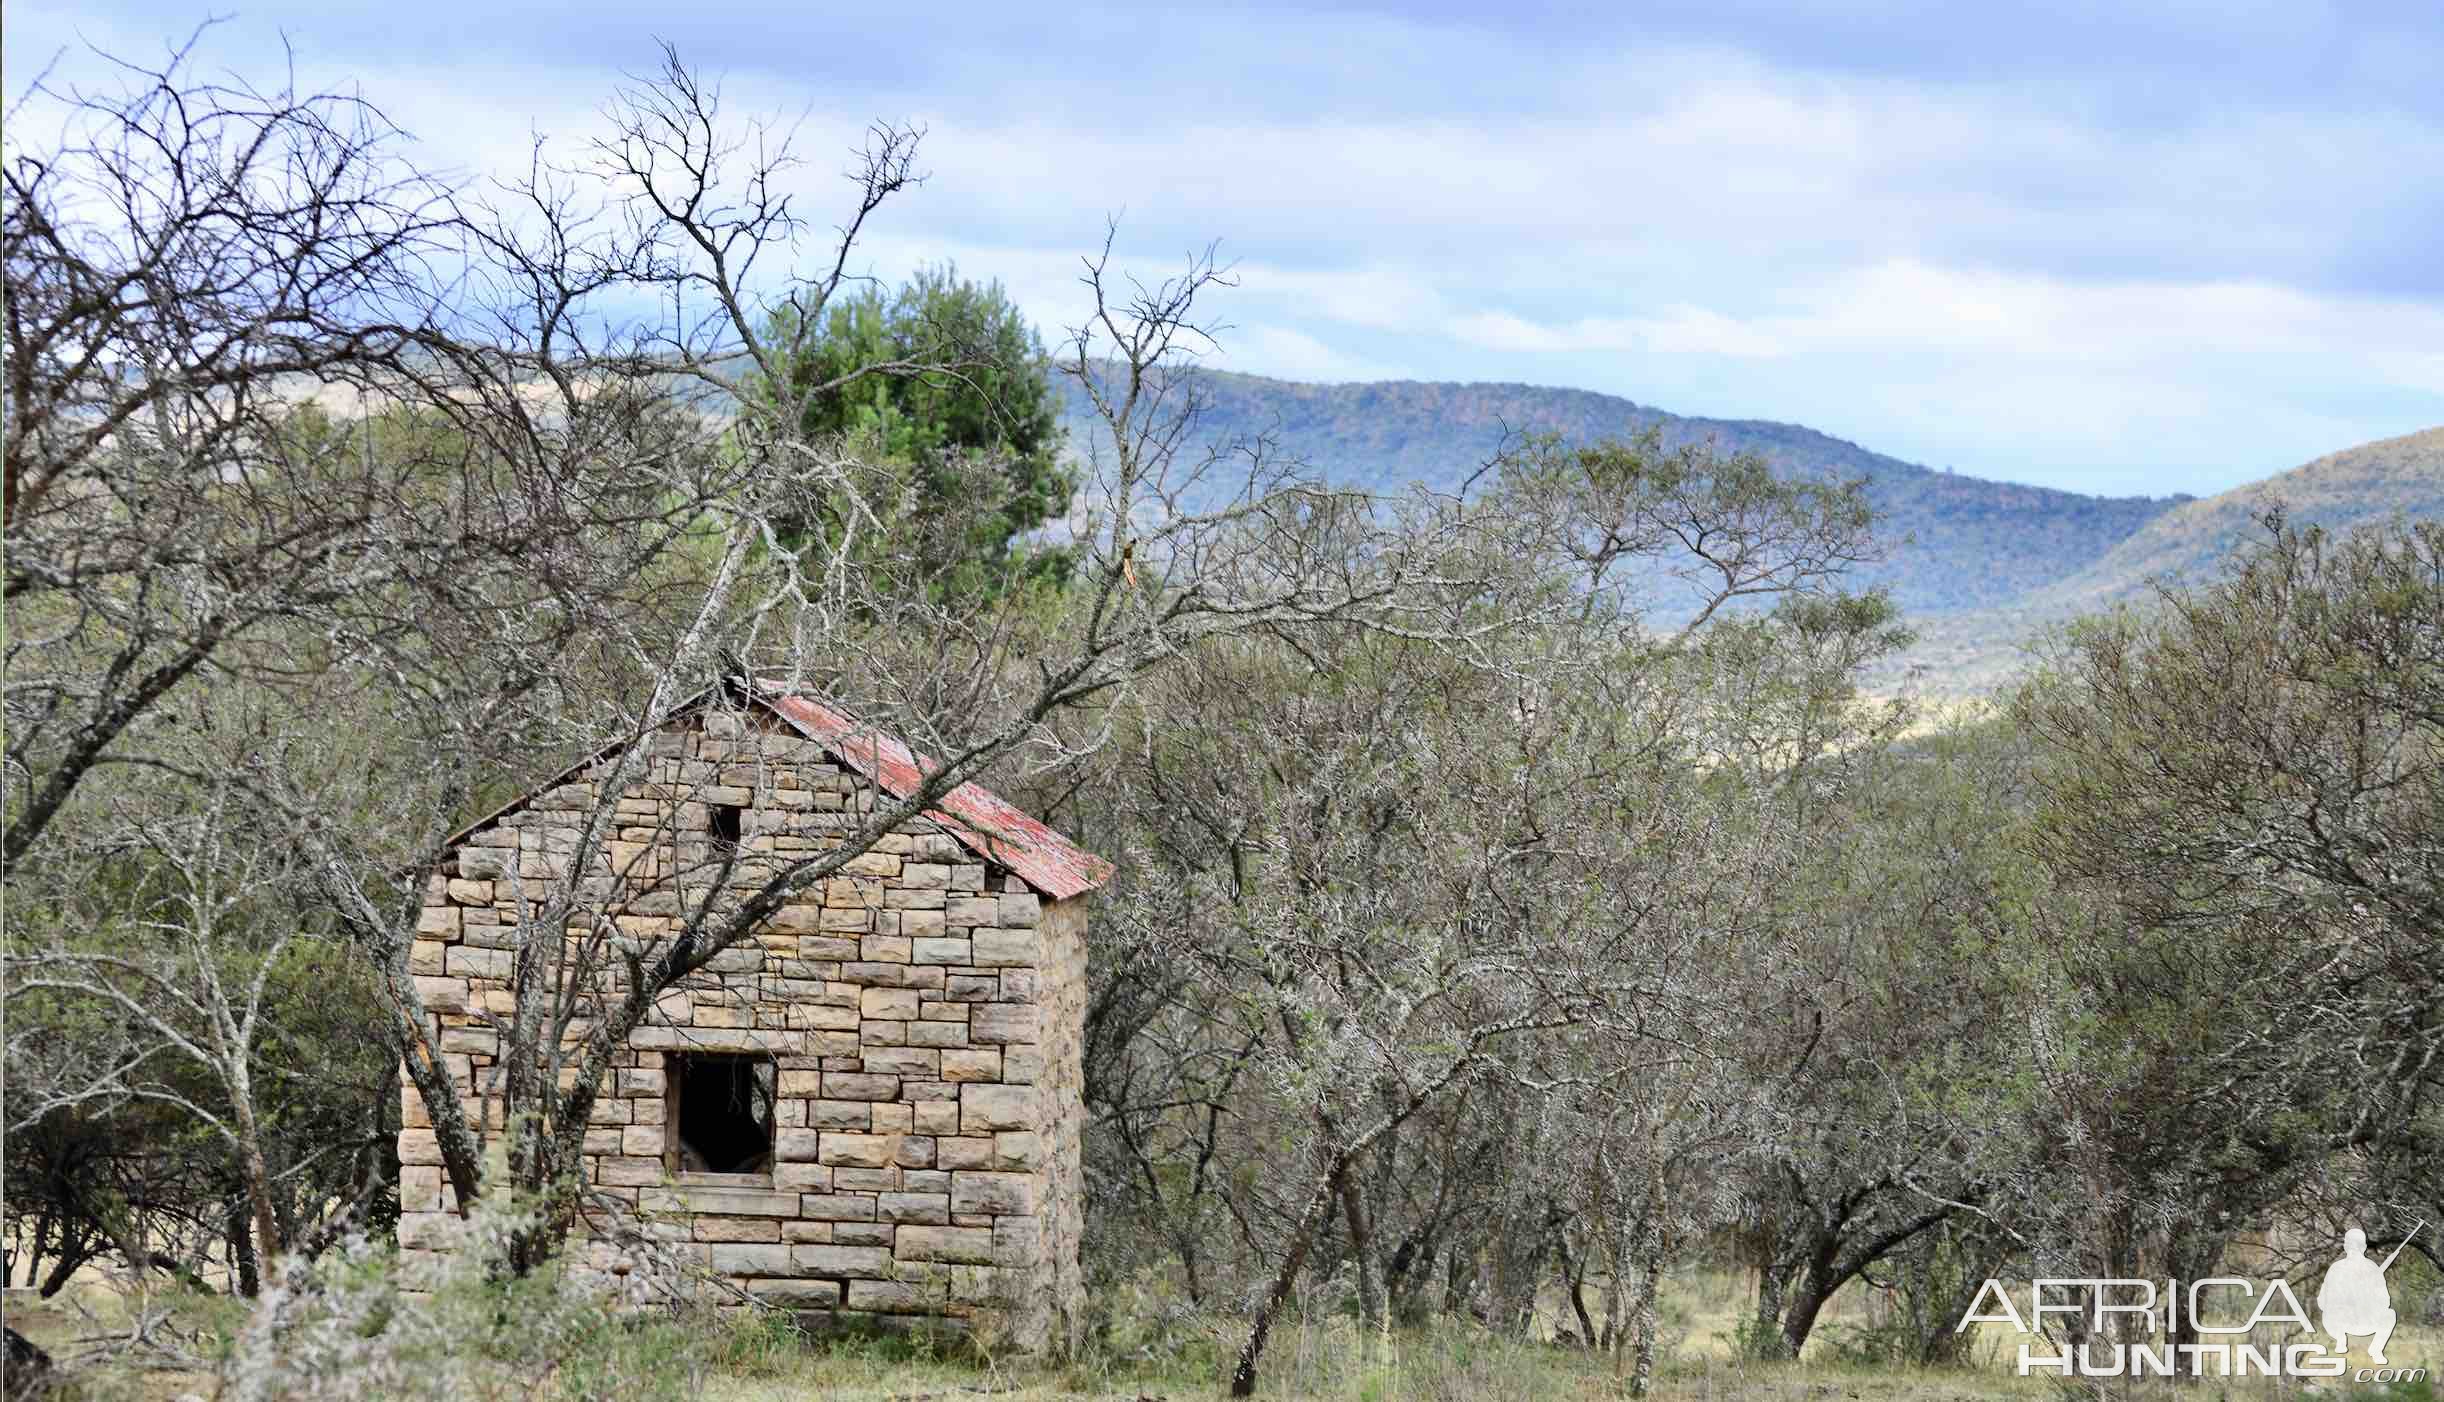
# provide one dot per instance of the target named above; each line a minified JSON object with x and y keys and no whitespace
{"x":1325,"y":1361}
{"x":1321,"y":1360}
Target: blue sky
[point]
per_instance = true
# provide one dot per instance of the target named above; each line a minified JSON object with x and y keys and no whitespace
{"x":2114,"y":247}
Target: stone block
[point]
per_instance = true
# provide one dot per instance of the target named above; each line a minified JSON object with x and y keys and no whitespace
{"x":419,"y":1146}
{"x":1017,"y":1241}
{"x":870,"y":1261}
{"x":732,"y":1202}
{"x":1001,"y":1023}
{"x":923,"y":977}
{"x":1022,"y":1065}
{"x":821,"y":1017}
{"x":836,"y":1207}
{"x":840,"y":1149}
{"x":972,"y":1151}
{"x":487,"y":863}
{"x":923,"y":1062}
{"x":638,"y":1172}
{"x":795,"y":1294}
{"x":802,"y":1177}
{"x":884,"y":949}
{"x":423,"y":1231}
{"x":865,"y":1180}
{"x":940,"y":951}
{"x":898,"y":1004}
{"x":442,"y":995}
{"x":896,"y":1296}
{"x":1016,"y":1149}
{"x":923,"y":1208}
{"x":731,"y":1258}
{"x":420,"y":1190}
{"x":839,"y":1114}
{"x":961,"y":1245}
{"x":988,"y":1109}
{"x":933,"y":1034}
{"x":972,"y":1064}
{"x":994,"y":946}
{"x":850,"y":1085}
{"x":1001,"y":1194}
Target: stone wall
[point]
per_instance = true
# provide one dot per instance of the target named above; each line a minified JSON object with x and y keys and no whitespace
{"x":924,"y":1010}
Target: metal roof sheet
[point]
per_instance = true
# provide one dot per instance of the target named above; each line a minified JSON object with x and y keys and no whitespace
{"x":982,"y":820}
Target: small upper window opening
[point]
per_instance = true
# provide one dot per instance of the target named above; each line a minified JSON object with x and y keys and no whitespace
{"x":729,"y":820}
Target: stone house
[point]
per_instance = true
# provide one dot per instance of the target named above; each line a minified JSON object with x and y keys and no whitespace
{"x":872,"y":1111}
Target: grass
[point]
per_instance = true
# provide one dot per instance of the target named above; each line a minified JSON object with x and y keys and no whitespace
{"x":1309,"y":1360}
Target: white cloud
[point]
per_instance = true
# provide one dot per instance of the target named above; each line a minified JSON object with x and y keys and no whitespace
{"x":1685,"y":222}
{"x":1905,"y":305}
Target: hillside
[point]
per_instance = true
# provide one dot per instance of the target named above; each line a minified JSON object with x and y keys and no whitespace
{"x":1972,"y":651}
{"x":1954,"y":543}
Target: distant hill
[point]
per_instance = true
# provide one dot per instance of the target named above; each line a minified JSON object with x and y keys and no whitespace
{"x":1954,"y":543}
{"x":1974,"y":650}
{"x":1978,"y":566}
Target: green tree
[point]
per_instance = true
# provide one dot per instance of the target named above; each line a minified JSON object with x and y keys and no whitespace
{"x":948,"y":383}
{"x":2253,"y":773}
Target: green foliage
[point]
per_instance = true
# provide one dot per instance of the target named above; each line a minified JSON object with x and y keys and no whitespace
{"x":944,"y":381}
{"x":363,"y":1321}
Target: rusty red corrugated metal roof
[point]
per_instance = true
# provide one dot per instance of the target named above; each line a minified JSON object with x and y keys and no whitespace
{"x":983,"y":821}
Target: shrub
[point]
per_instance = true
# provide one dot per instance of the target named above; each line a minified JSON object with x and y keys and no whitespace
{"x":363,"y":1321}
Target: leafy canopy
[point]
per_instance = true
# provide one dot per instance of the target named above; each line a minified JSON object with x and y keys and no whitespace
{"x":948,"y":384}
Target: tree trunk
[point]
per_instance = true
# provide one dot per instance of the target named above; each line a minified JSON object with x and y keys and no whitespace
{"x":1372,"y":1321}
{"x":1302,"y":1237}
{"x":243,"y":1267}
{"x":255,"y":1170}
{"x":1799,"y":1320}
{"x":1771,"y":1275}
{"x":1650,"y":1289}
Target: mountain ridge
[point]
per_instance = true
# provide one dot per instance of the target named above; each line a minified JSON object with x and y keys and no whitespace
{"x":2365,"y":484}
{"x":1978,"y":566}
{"x":1978,"y":543}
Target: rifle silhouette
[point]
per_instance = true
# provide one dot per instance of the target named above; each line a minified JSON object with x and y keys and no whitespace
{"x":2388,"y":1265}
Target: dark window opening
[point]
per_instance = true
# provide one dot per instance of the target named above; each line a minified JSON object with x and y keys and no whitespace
{"x":729,"y":820}
{"x":721,"y":1113}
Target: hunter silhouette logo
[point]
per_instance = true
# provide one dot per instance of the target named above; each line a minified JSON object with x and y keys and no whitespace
{"x":2127,"y":1328}
{"x":2354,"y":1298}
